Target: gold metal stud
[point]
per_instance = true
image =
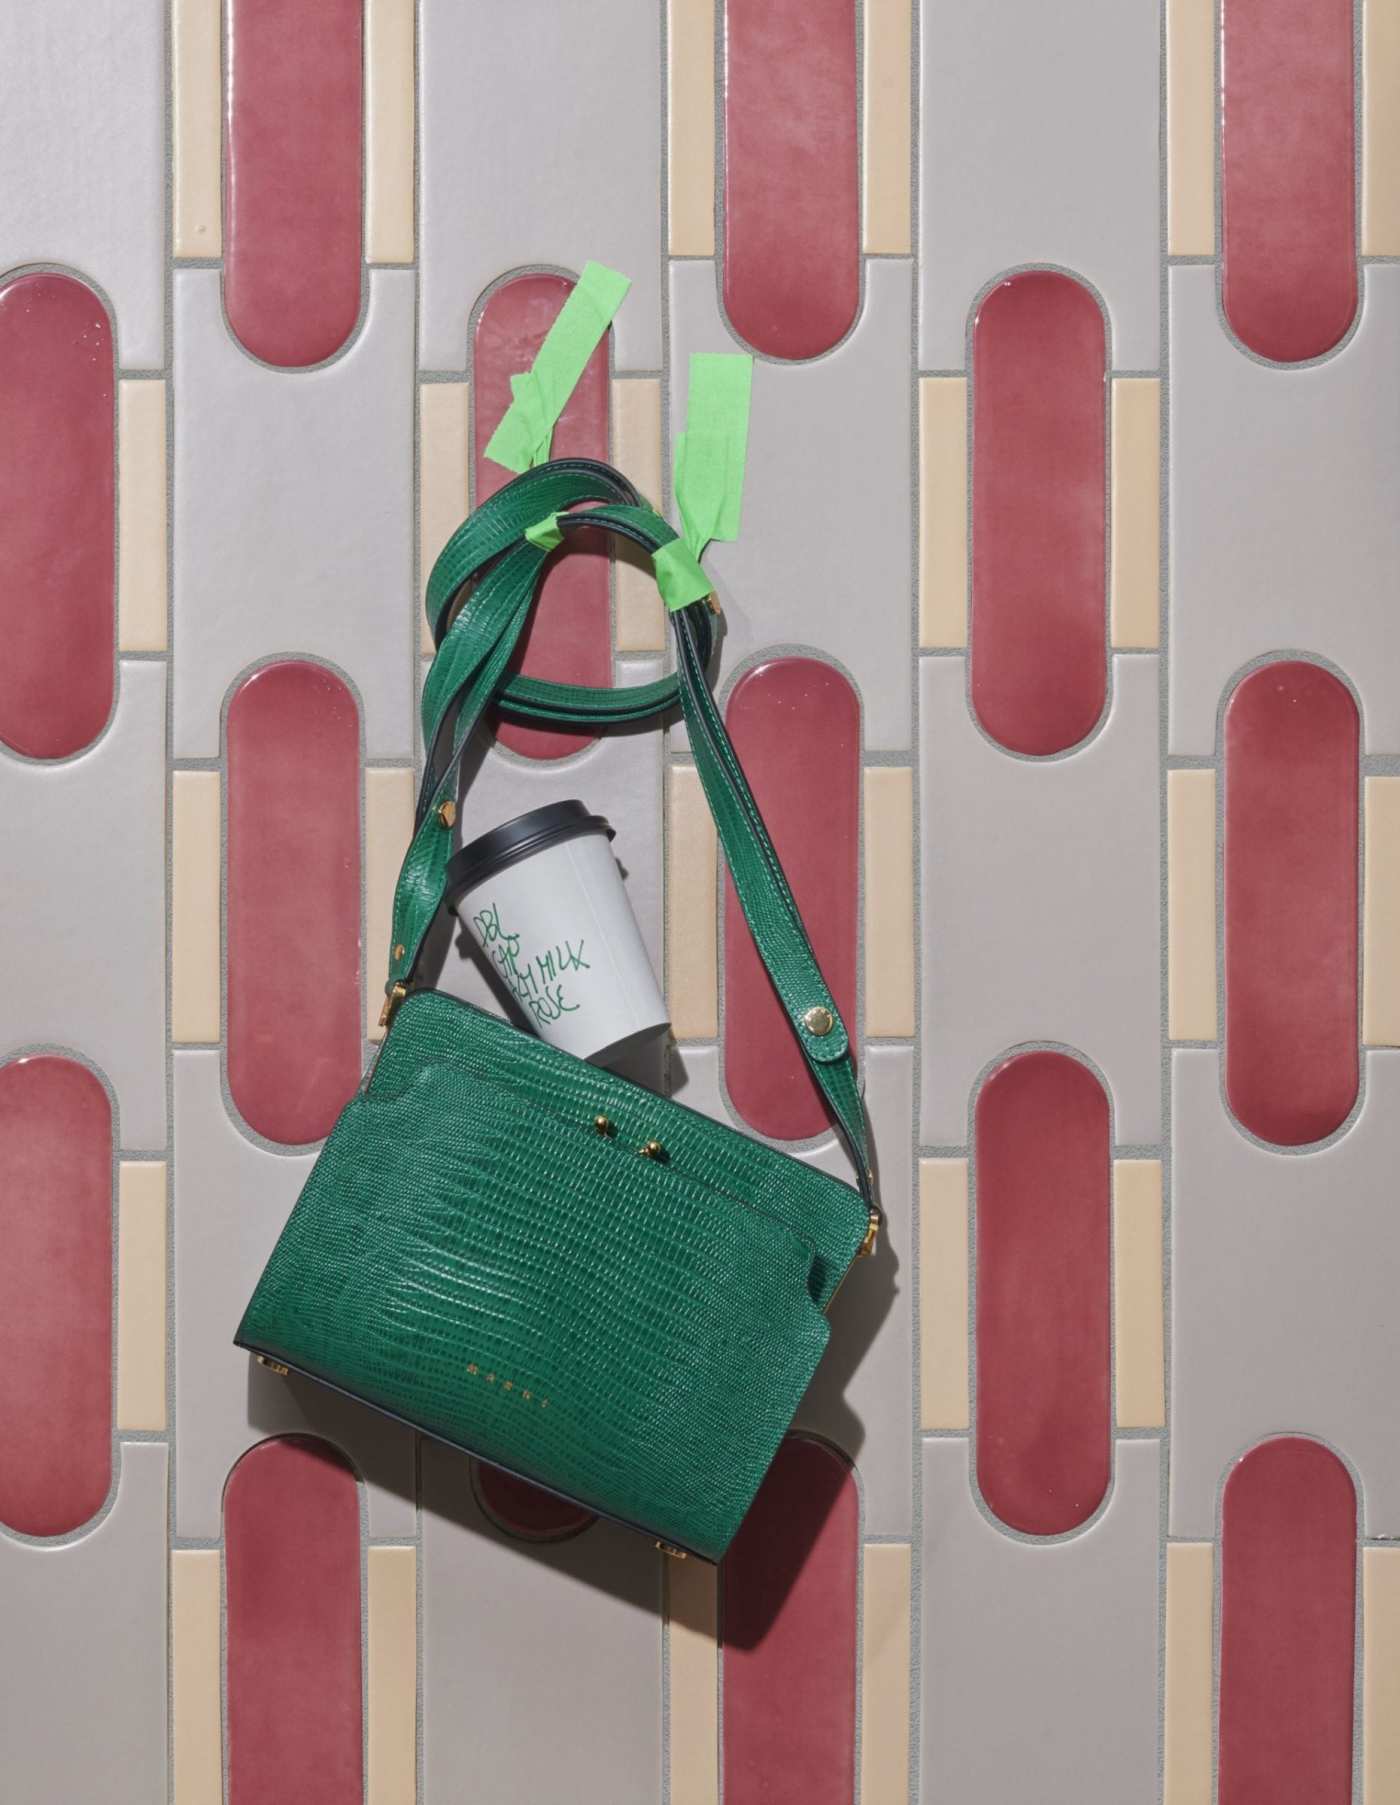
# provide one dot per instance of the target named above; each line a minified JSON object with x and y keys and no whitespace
{"x":447,"y":812}
{"x":676,"y":1554}
{"x":400,"y":950}
{"x":819,"y":1020}
{"x":273,"y":1366}
{"x":652,"y":1150}
{"x":604,"y":1125}
{"x":872,"y":1229}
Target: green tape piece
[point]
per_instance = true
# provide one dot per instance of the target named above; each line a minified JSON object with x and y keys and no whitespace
{"x":679,"y":576}
{"x":546,"y":533}
{"x":712,"y":451}
{"x":522,"y":438}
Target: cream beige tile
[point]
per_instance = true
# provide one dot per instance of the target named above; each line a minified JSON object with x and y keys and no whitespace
{"x":943,"y":1294}
{"x":388,"y":830}
{"x":1191,"y":128}
{"x":1137,"y":1294}
{"x":141,"y":561}
{"x":636,"y":444}
{"x":884,"y":1685}
{"x":1380,"y":1675}
{"x":692,"y":982}
{"x":1191,"y":905}
{"x":1190,"y":1655}
{"x":943,"y":511}
{"x":1380,"y":130}
{"x":1136,"y":540}
{"x":888,"y":145}
{"x":194,"y":905}
{"x":443,"y":412}
{"x":389,"y":131}
{"x":690,"y":88}
{"x":692,"y":1615}
{"x":392,"y":1707}
{"x":141,"y":1295}
{"x":1380,"y":1008}
{"x":888,"y":834}
{"x":196,"y":121}
{"x":195,"y":1678}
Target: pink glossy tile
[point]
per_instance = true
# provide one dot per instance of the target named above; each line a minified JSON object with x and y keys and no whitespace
{"x":1043,"y":1285}
{"x":568,"y":638}
{"x":795,"y":723}
{"x":55,"y":1295}
{"x":791,"y":189}
{"x":293,"y":907}
{"x":1038,"y":524}
{"x":292,"y":1582}
{"x":788,"y":1635}
{"x":1287,"y":154}
{"x":1291,"y":1052}
{"x":524,"y":1510}
{"x":1287,"y":1627}
{"x":293,"y":153}
{"x":57,"y":515}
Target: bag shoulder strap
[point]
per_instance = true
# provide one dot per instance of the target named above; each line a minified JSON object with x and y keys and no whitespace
{"x":492,"y":570}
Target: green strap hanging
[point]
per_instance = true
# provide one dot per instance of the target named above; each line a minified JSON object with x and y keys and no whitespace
{"x":494,"y":558}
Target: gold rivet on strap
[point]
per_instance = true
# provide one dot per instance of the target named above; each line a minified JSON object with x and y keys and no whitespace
{"x":447,"y":812}
{"x":818,"y":1019}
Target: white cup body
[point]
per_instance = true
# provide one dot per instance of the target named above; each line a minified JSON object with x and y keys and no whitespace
{"x":560,"y":937}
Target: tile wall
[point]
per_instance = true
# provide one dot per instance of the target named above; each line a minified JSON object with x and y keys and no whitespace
{"x":1063,"y":652}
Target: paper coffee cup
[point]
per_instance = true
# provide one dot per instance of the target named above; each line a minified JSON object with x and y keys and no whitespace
{"x":543,"y":898}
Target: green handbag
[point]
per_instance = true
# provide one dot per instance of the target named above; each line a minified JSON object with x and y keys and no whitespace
{"x":517,"y":1252}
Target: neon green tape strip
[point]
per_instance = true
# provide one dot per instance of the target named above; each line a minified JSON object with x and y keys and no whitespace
{"x":679,"y":576}
{"x":546,"y":533}
{"x":523,"y":437}
{"x":712,"y":451}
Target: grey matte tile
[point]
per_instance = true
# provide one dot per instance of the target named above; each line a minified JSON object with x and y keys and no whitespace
{"x":823,"y":559}
{"x":1039,"y":1662}
{"x":541,"y":1662}
{"x":82,"y":1657}
{"x":1284,"y":530}
{"x":1039,"y":144}
{"x":293,"y":522}
{"x":82,"y":959}
{"x":1283,"y":1294}
{"x":1040,"y":901}
{"x":862,"y":1395}
{"x":82,"y":155}
{"x":231,"y":1199}
{"x":560,"y":104}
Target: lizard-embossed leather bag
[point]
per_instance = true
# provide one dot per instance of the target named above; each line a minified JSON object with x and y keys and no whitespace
{"x":515,"y":1251}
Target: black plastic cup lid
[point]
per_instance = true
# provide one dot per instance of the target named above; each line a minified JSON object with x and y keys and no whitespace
{"x":518,"y":839}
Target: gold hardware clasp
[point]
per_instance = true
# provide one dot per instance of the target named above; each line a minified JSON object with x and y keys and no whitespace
{"x":872,"y":1229}
{"x":396,"y":994}
{"x":447,"y":812}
